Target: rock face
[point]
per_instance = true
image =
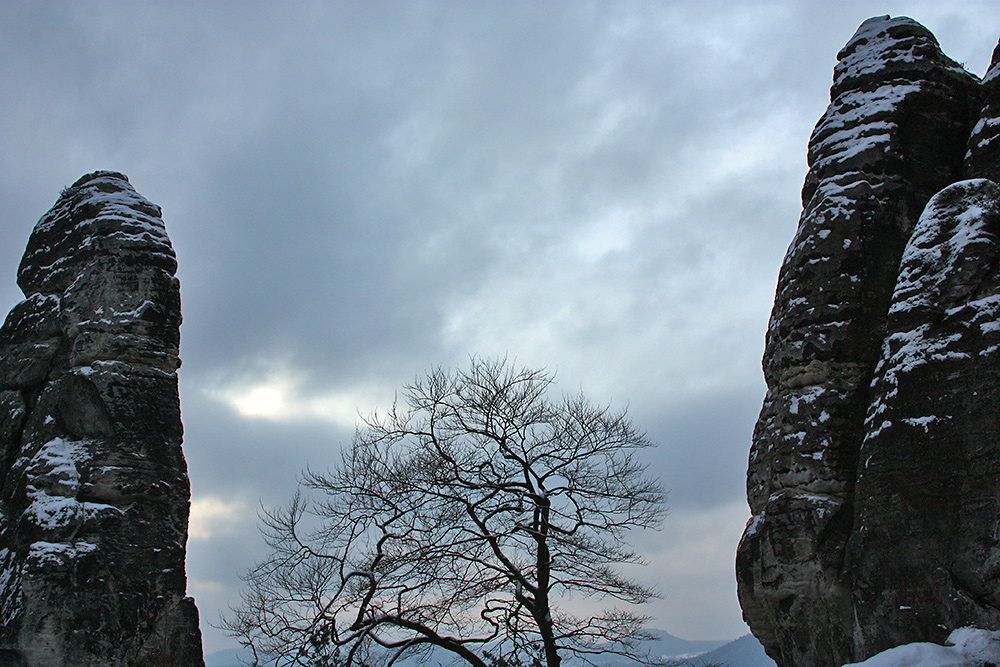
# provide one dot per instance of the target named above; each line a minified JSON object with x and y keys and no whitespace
{"x":94,"y":491}
{"x":874,"y":476}
{"x":925,"y":549}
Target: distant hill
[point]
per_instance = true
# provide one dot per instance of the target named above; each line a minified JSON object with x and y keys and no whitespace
{"x":743,"y":652}
{"x":665,"y":647}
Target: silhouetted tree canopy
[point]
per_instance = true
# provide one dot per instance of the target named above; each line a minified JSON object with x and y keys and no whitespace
{"x":464,"y":519}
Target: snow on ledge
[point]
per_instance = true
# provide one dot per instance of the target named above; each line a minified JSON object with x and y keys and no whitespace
{"x":966,"y":647}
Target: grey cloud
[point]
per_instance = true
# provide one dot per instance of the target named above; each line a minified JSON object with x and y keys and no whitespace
{"x":359,"y":191}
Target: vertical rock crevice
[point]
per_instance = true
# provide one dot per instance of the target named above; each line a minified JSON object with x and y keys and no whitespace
{"x":94,"y":490}
{"x":982,"y":160}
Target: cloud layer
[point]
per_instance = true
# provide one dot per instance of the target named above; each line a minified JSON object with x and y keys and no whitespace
{"x":360,"y":191}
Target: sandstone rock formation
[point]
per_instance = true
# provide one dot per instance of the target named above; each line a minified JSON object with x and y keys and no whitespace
{"x":873,"y":477}
{"x":94,"y":491}
{"x":925,"y":549}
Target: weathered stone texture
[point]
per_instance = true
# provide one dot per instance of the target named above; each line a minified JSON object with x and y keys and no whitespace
{"x":94,"y":490}
{"x":925,"y":552}
{"x":817,"y":567}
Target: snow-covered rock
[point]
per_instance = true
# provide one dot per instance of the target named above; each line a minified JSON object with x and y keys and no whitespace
{"x":924,"y":547}
{"x":862,"y":492}
{"x":93,"y":485}
{"x":967,"y":647}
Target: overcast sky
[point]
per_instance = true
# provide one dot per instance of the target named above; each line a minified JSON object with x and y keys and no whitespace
{"x":358,"y":191}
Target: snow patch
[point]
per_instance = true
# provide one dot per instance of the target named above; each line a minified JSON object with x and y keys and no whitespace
{"x":858,"y":122}
{"x":807,"y":397}
{"x":966,"y":647}
{"x":54,"y":481}
{"x":884,"y":425}
{"x":920,"y":421}
{"x":753,"y":524}
{"x":987,"y":327}
{"x":54,"y":554}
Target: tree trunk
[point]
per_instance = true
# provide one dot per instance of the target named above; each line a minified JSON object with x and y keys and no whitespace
{"x":542,"y":612}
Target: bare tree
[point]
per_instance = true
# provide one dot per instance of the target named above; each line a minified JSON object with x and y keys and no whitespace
{"x":464,"y":521}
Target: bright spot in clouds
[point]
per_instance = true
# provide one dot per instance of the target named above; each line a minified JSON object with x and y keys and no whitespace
{"x":269,"y":401}
{"x":199,"y":588}
{"x":211,"y":516}
{"x":284,"y":394}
